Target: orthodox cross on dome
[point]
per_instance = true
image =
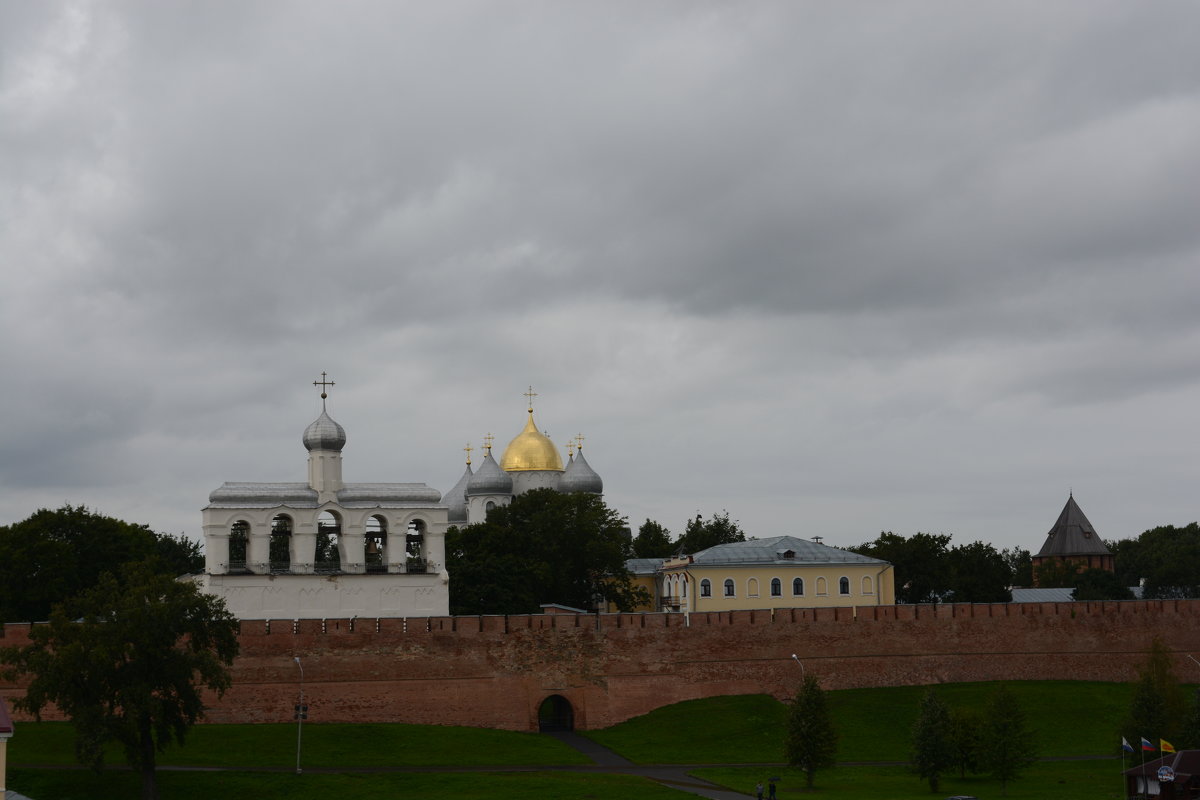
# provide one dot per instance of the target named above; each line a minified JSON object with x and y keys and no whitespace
{"x":579,"y":441}
{"x":323,"y":383}
{"x":487,"y":442}
{"x":571,"y":447}
{"x":468,"y":450}
{"x":529,"y":395}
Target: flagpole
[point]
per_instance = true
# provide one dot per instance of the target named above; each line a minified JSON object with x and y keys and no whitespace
{"x":1145,"y":786}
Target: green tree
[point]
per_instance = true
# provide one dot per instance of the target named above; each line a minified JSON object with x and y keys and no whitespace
{"x":543,"y":547}
{"x":811,"y":742}
{"x":1100,"y":584}
{"x":1189,"y":737}
{"x":1057,"y":573}
{"x":179,"y":555}
{"x":966,"y":725}
{"x":126,"y":661}
{"x":652,"y":541}
{"x":1020,"y":566}
{"x":1007,"y":743}
{"x":921,"y":563}
{"x":1170,"y":562}
{"x":978,"y":574}
{"x":1158,"y":707}
{"x":56,"y":554}
{"x":932,"y":747}
{"x":701,"y":535}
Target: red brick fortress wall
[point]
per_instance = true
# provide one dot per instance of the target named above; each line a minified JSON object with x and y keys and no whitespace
{"x":495,"y":671}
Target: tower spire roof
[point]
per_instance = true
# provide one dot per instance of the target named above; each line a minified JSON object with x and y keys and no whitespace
{"x":1072,"y":534}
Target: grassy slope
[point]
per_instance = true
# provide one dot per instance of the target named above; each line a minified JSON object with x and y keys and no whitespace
{"x":330,"y":746}
{"x":79,"y":785}
{"x":1071,"y":718}
{"x":1065,"y":780}
{"x":873,"y":724}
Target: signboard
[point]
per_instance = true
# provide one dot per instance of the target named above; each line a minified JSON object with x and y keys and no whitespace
{"x":1166,"y":774}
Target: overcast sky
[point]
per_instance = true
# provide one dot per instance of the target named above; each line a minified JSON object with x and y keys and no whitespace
{"x":837,"y":268}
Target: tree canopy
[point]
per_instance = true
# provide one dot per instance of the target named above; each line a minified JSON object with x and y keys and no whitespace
{"x":929,"y":570}
{"x":932,"y":744}
{"x":1158,"y":708}
{"x":652,"y":541}
{"x":701,"y":534}
{"x":920,"y":561}
{"x":811,"y":741}
{"x":543,"y":547}
{"x":1100,"y":584}
{"x":56,"y":554}
{"x":126,"y":661}
{"x":1164,"y":560}
{"x":979,"y":574}
{"x":1007,"y":744}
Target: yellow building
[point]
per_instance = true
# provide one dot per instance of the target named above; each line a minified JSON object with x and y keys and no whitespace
{"x":780,"y":572}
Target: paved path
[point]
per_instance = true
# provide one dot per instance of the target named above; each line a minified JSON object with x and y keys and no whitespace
{"x":675,"y":777}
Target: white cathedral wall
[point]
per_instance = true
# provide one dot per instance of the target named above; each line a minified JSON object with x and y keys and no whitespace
{"x":526,"y":480}
{"x":328,"y":596}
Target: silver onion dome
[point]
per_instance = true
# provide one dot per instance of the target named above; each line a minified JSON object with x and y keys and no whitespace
{"x":324,"y":434}
{"x":490,"y":479}
{"x":456,"y":499}
{"x":580,"y":477}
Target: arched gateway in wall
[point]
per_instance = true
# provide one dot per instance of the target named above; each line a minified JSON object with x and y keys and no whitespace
{"x":556,"y":714}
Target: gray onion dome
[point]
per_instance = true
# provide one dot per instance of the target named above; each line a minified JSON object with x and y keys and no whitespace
{"x":580,"y":477}
{"x":490,"y":479}
{"x":456,"y":499}
{"x":324,"y":434}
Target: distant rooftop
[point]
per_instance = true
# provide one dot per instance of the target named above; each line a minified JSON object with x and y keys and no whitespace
{"x":1073,"y":535}
{"x":775,"y":550}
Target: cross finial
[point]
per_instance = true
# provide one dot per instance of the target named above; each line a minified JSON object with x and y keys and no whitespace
{"x":323,"y":383}
{"x":571,"y":447}
{"x":579,"y":441}
{"x":487,"y":442}
{"x":529,"y":395}
{"x":468,"y":449}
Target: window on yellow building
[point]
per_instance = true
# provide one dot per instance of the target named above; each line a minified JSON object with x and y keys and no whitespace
{"x":844,"y":586}
{"x":797,"y":587}
{"x":776,"y":587}
{"x":729,"y":587}
{"x":705,"y":588}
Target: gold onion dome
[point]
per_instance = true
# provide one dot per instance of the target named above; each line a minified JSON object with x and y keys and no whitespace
{"x":531,"y":450}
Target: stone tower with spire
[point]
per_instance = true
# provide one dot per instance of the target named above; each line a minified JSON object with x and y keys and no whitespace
{"x":1073,"y":540}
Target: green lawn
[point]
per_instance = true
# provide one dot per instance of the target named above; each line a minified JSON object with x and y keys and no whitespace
{"x":1071,"y":719}
{"x":742,"y":729}
{"x":1061,"y":780}
{"x":82,"y":785}
{"x":324,"y":745}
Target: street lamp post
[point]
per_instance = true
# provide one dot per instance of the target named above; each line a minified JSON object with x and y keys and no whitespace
{"x":300,"y":714}
{"x":796,"y":658}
